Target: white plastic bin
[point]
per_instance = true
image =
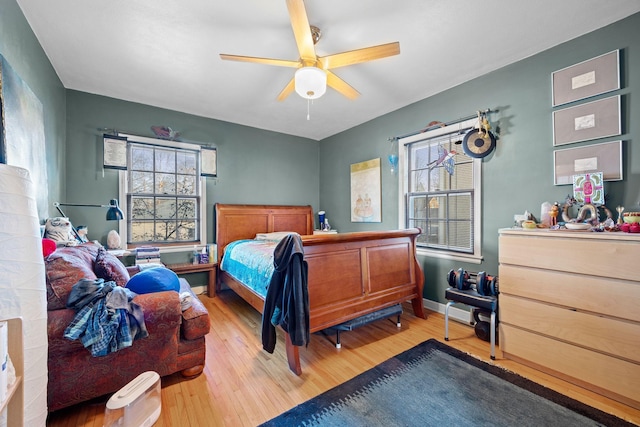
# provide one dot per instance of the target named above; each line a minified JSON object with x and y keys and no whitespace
{"x":137,"y":404}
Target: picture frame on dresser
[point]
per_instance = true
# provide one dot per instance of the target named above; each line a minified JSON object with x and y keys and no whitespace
{"x":591,"y":120}
{"x":586,"y":79}
{"x":605,"y":157}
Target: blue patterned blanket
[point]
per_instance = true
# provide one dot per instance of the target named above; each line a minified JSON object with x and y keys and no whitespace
{"x":250,"y":262}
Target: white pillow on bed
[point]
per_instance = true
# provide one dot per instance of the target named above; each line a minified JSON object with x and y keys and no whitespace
{"x":275,"y":236}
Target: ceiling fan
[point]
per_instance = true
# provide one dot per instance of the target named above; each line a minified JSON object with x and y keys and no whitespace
{"x":313,"y":72}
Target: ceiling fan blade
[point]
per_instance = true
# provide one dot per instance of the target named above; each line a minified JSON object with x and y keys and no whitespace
{"x":268,"y":61}
{"x":288,"y":89}
{"x":359,"y":55}
{"x":341,"y":86}
{"x":301,"y":30}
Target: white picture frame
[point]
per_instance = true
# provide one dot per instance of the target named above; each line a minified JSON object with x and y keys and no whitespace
{"x":605,"y":157}
{"x":586,"y":79}
{"x":114,"y":152}
{"x":209,"y":161}
{"x":591,"y":120}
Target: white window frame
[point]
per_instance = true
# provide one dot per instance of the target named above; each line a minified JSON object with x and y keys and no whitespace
{"x":403,"y":189}
{"x":123,"y":187}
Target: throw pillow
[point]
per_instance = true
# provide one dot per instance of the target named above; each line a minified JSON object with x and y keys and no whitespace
{"x":154,"y":280}
{"x":109,"y":268}
{"x":48,"y":247}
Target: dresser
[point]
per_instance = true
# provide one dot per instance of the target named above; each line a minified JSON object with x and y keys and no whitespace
{"x":569,"y":305}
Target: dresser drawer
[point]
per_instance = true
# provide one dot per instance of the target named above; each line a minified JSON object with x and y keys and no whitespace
{"x":614,"y":337}
{"x":595,"y":256}
{"x":613,"y":377}
{"x":611,"y":297}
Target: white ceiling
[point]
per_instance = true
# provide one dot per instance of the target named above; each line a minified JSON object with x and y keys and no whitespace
{"x":166,"y":53}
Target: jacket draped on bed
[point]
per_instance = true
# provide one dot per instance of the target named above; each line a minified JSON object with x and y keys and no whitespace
{"x":287,"y":301}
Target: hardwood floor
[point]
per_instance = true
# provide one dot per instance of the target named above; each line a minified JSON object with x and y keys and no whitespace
{"x":242,"y":385}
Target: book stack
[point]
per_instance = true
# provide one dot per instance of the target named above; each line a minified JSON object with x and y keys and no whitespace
{"x":148,"y":255}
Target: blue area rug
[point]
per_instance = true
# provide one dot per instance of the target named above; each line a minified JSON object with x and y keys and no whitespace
{"x":433,"y":384}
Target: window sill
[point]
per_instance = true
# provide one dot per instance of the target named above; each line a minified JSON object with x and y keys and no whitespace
{"x":472,"y":259}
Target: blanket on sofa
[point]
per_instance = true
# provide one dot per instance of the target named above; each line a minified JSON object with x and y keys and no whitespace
{"x":106,"y":319}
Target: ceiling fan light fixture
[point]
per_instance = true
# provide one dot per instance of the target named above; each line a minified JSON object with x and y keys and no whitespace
{"x":310,"y":82}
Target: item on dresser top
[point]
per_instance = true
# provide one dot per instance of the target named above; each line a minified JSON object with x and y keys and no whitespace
{"x":631,"y":217}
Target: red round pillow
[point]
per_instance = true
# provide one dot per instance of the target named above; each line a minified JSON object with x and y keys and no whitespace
{"x":48,"y":247}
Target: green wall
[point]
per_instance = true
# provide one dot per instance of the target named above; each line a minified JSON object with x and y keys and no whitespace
{"x":23,"y":52}
{"x":257,"y":166}
{"x":518,"y":175}
{"x":254,"y":166}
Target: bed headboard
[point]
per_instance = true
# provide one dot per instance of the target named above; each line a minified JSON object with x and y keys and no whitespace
{"x":235,"y":222}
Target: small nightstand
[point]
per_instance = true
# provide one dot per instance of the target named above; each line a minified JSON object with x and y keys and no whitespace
{"x":186,"y":268}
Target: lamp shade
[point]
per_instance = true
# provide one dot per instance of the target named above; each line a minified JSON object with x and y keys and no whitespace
{"x":114,"y":213}
{"x":310,"y":82}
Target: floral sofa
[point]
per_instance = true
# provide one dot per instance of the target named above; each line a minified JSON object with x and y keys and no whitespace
{"x":175,"y":341}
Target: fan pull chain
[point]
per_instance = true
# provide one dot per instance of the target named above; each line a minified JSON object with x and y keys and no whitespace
{"x":308,"y":109}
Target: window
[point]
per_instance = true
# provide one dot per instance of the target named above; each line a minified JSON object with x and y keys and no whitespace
{"x":441,"y":192}
{"x":162,"y":190}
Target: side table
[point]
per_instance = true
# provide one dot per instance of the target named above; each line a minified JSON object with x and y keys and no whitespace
{"x":211,"y":268}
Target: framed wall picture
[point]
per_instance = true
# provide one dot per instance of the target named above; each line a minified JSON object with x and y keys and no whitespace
{"x":22,"y":136}
{"x":591,"y":120}
{"x":366,"y":191}
{"x":585,"y":79}
{"x":114,"y":152}
{"x":209,"y":160}
{"x":605,"y":157}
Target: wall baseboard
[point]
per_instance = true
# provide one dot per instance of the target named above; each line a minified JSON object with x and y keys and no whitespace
{"x":457,"y":314}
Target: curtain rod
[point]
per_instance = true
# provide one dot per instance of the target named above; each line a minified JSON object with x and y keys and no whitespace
{"x":441,"y":124}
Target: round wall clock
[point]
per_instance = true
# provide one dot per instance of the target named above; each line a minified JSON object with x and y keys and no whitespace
{"x":478,"y":143}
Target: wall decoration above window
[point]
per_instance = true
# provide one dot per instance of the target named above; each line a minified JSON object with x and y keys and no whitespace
{"x":209,"y":157}
{"x":591,"y":120}
{"x":585,"y":79}
{"x":605,"y":157}
{"x":114,"y":152}
{"x":366,"y":204}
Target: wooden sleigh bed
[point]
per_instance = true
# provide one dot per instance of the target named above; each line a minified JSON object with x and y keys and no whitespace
{"x":350,"y":274}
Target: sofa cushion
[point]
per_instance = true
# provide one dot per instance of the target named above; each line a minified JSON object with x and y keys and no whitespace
{"x":154,"y":280}
{"x":64,"y":268}
{"x":109,"y":268}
